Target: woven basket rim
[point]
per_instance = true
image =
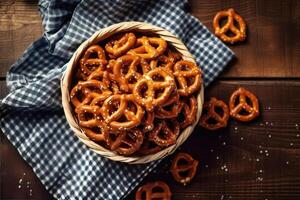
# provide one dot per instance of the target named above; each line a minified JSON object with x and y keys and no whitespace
{"x":67,"y":79}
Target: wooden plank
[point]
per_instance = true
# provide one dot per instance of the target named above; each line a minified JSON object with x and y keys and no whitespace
{"x":20,"y":25}
{"x":272,"y":48}
{"x":257,"y":160}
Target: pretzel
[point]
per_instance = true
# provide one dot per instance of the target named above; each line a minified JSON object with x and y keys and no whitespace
{"x":118,"y":47}
{"x":147,"y":122}
{"x":147,"y":191}
{"x":235,"y":110}
{"x":124,"y":142}
{"x":127,"y":70}
{"x":85,"y":92}
{"x":89,"y":64}
{"x":165,"y":132}
{"x":146,"y":47}
{"x":100,"y":75}
{"x":221,"y":121}
{"x":157,"y":80}
{"x":118,"y":106}
{"x":190,"y":168}
{"x":149,"y":147}
{"x":162,"y":61}
{"x":188,"y":76}
{"x":189,"y":112}
{"x":232,"y":16}
{"x":91,"y":122}
{"x":170,"y":108}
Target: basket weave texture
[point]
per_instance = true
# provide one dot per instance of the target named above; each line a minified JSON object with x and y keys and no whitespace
{"x":67,"y":80}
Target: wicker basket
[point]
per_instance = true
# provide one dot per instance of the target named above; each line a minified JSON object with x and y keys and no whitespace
{"x":67,"y":80}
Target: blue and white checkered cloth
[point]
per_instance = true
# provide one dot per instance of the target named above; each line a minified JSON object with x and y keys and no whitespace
{"x":32,"y":116}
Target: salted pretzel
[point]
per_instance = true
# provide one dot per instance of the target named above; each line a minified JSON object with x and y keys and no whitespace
{"x":149,"y":147}
{"x":189,"y":168}
{"x":154,"y":88}
{"x":252,"y":108}
{"x":165,"y":132}
{"x":147,"y":123}
{"x":84,"y":92}
{"x":162,"y":61}
{"x":127,"y":70}
{"x":119,"y":46}
{"x":124,"y":142}
{"x":149,"y":47}
{"x":120,"y":106}
{"x":170,"y":108}
{"x":91,"y":122}
{"x":220,"y":119}
{"x":188,"y":76}
{"x":154,"y":190}
{"x":88,"y":63}
{"x":232,"y":16}
{"x":189,"y":112}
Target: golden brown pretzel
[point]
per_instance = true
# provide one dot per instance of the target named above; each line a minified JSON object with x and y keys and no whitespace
{"x":149,"y":191}
{"x":235,"y":110}
{"x":100,"y":75}
{"x":221,"y":119}
{"x":146,"y":47}
{"x":147,"y":123}
{"x":127,"y":70}
{"x":91,"y":121}
{"x":120,"y":106}
{"x":170,"y":108}
{"x":190,"y":167}
{"x":84,"y":92}
{"x":189,"y":112}
{"x":152,"y":82}
{"x":232,"y":16}
{"x":124,"y":142}
{"x":119,"y":46}
{"x":188,"y":76}
{"x":88,"y":64}
{"x":165,"y":133}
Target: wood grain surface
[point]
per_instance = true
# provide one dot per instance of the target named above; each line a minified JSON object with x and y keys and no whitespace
{"x":257,"y":160}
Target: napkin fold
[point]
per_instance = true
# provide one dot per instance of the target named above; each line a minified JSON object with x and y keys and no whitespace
{"x":31,"y":115}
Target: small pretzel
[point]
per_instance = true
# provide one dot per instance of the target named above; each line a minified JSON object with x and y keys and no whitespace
{"x":127,"y":70}
{"x":88,"y":64}
{"x":100,"y":75}
{"x":162,"y":61}
{"x":157,"y":80}
{"x":149,"y":147}
{"x":190,"y":168}
{"x":239,"y":32}
{"x":147,"y":122}
{"x":210,"y":107}
{"x":155,"y":190}
{"x":146,"y":47}
{"x":252,"y":110}
{"x":84,"y":92}
{"x":124,"y":142}
{"x":170,"y":108}
{"x":165,"y":132}
{"x":120,"y":46}
{"x":189,"y":112}
{"x":188,"y":76}
{"x":118,"y":106}
{"x":91,"y":122}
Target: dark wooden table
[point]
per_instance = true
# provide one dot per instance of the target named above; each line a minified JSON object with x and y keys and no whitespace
{"x":257,"y":160}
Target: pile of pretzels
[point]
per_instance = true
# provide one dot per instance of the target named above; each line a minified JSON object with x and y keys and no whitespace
{"x":133,"y":94}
